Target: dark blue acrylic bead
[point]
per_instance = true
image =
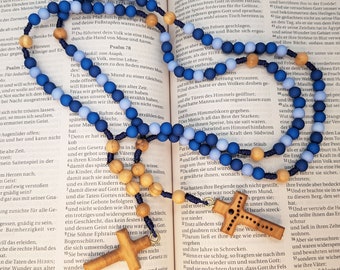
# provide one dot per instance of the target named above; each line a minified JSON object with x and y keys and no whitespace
{"x":65,"y":100}
{"x":299,"y":102}
{"x":227,"y":47}
{"x":109,"y":87}
{"x":319,"y":85}
{"x":117,"y":95}
{"x":239,"y":47}
{"x":86,"y":7}
{"x":260,"y":48}
{"x":233,"y":148}
{"x":98,"y":8}
{"x":162,"y":137}
{"x":293,"y":132}
{"x":204,"y":149}
{"x":120,"y":10}
{"x":151,"y":5}
{"x":166,"y":128}
{"x":173,"y":138}
{"x":34,"y":19}
{"x":167,"y":57}
{"x":294,"y":92}
{"x":316,"y":137}
{"x":220,"y":68}
{"x":302,"y":165}
{"x":207,"y":39}
{"x":279,"y":148}
{"x":298,"y":123}
{"x":141,"y":3}
{"x":131,"y":113}
{"x":200,"y":136}
{"x":211,"y":139}
{"x":42,"y":79}
{"x":225,"y":159}
{"x":236,"y":164}
{"x":92,"y":117}
{"x":53,"y":7}
{"x":94,"y":71}
{"x":188,"y":74}
{"x":64,"y":6}
{"x":63,"y":16}
{"x":132,"y":132}
{"x":319,"y":117}
{"x":130,"y":11}
{"x":49,"y":87}
{"x":210,"y":73}
{"x":272,"y":67}
{"x":193,"y":145}
{"x":166,"y":46}
{"x":136,"y":121}
{"x":177,"y":130}
{"x":75,"y":105}
{"x":280,"y":75}
{"x":198,"y":33}
{"x":271,"y":47}
{"x":143,"y":129}
{"x":30,"y":62}
{"x":319,"y":106}
{"x":314,"y":148}
{"x":316,"y":75}
{"x":179,"y":71}
{"x":258,"y":173}
{"x":70,"y":50}
{"x":86,"y":63}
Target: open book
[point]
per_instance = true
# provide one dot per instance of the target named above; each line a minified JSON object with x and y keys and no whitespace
{"x":60,"y":205}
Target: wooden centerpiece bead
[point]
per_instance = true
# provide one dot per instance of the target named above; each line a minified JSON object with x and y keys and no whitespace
{"x":283,"y":176}
{"x":178,"y":196}
{"x":112,"y":146}
{"x":132,"y":188}
{"x":60,"y":33}
{"x":138,"y":169}
{"x":125,"y":176}
{"x":116,"y":166}
{"x":142,"y":145}
{"x":151,"y":20}
{"x":156,"y":189}
{"x":146,"y":180}
{"x":25,"y":41}
{"x":301,"y":59}
{"x":169,"y":17}
{"x":143,"y":210}
{"x":257,"y":154}
{"x":252,"y":60}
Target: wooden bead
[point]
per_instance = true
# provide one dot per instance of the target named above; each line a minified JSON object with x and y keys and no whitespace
{"x":142,"y":145}
{"x":116,"y":166}
{"x":132,"y":188}
{"x":252,"y":60}
{"x":138,"y":169}
{"x":25,"y":41}
{"x":125,"y":176}
{"x":151,"y":20}
{"x":169,"y":17}
{"x":178,"y":196}
{"x":112,"y":146}
{"x":156,"y":189}
{"x":257,"y":154}
{"x":282,"y":176}
{"x":60,"y":33}
{"x":301,"y":59}
{"x":143,"y":210}
{"x":146,"y":180}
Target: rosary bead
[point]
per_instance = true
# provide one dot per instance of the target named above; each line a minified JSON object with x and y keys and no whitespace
{"x":112,"y":146}
{"x":43,"y":13}
{"x":301,"y":59}
{"x":156,"y":189}
{"x":281,"y":51}
{"x":142,"y":145}
{"x":132,"y":188}
{"x":282,"y":176}
{"x":257,"y":154}
{"x":151,"y":20}
{"x":60,"y":33}
{"x":146,"y":180}
{"x":116,"y":166}
{"x":143,"y":210}
{"x":125,"y":176}
{"x":109,"y":8}
{"x":178,"y":196}
{"x":169,"y":17}
{"x":138,"y":169}
{"x":25,"y":41}
{"x":252,"y":60}
{"x":249,"y":47}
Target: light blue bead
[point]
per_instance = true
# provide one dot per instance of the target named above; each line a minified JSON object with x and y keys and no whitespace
{"x":198,"y":75}
{"x":217,"y":43}
{"x":288,"y":83}
{"x":84,"y":111}
{"x":75,"y":7}
{"x":189,"y":133}
{"x":57,"y":93}
{"x":102,"y":79}
{"x":247,"y":169}
{"x":43,"y":13}
{"x":34,"y":72}
{"x":214,"y":154}
{"x":249,"y":47}
{"x":109,"y":8}
{"x":318,"y":127}
{"x":299,"y":113}
{"x":164,"y":37}
{"x":308,"y":156}
{"x":231,"y":64}
{"x":320,"y":96}
{"x":222,"y":144}
{"x":154,"y":128}
{"x":78,"y":56}
{"x":281,"y":51}
{"x":124,"y":103}
{"x":172,"y":65}
{"x":188,"y":28}
{"x":286,"y":140}
{"x":183,"y":141}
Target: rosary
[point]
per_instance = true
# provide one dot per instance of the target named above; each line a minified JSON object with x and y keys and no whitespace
{"x":226,"y":153}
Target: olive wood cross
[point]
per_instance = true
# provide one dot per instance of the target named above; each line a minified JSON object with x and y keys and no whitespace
{"x":235,"y":214}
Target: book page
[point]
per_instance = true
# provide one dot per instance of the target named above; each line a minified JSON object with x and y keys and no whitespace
{"x":251,"y":108}
{"x":60,"y":204}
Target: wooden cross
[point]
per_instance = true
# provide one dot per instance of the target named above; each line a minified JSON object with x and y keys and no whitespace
{"x":127,"y":251}
{"x":235,"y":214}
